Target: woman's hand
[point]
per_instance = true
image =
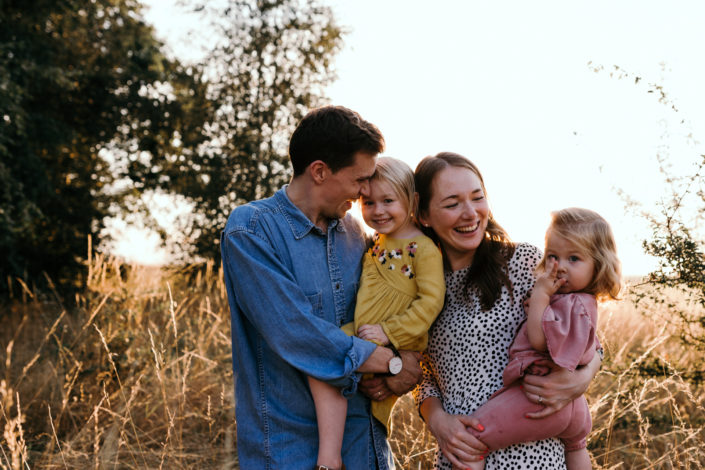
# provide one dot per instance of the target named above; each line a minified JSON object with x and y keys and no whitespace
{"x":458,"y":445}
{"x":559,"y":387}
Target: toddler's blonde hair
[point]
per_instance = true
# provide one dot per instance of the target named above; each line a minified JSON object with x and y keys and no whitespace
{"x":592,"y":236}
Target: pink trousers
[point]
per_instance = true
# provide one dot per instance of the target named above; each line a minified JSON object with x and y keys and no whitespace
{"x":503,"y":417}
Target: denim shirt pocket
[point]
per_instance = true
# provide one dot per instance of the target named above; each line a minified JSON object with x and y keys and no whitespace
{"x":316,"y":301}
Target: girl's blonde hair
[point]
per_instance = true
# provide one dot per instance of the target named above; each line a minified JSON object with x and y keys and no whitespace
{"x":400,"y":177}
{"x":592,"y":236}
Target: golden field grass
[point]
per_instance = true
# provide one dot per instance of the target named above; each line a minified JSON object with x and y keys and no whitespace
{"x":139,"y":375}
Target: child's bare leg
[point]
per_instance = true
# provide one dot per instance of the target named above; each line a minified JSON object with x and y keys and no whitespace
{"x":578,"y":460}
{"x":331,"y":409}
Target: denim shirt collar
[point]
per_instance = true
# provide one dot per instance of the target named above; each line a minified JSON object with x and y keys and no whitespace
{"x":298,"y":222}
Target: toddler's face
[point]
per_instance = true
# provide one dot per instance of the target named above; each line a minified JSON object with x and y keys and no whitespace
{"x":574,"y":265}
{"x":383,"y":210}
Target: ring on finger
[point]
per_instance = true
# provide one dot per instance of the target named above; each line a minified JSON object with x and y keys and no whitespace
{"x":540,"y":400}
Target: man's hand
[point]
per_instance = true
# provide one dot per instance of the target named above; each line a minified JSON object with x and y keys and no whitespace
{"x":374,"y":388}
{"x":409,"y":376}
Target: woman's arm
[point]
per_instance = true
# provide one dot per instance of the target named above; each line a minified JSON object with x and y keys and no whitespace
{"x":458,"y":445}
{"x":559,"y":387}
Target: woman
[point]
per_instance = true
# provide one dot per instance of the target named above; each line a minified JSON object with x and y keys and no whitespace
{"x":487,"y":280}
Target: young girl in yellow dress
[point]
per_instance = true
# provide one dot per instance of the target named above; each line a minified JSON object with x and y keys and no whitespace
{"x":401,"y":292}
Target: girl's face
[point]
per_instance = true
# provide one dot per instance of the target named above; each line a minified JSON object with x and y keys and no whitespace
{"x":384,"y":211}
{"x":573,"y":265}
{"x":458,"y":212}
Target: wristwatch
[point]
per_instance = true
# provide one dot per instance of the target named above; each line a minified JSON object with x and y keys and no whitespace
{"x":395,"y":363}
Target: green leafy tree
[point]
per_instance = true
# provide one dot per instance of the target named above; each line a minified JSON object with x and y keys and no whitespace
{"x":270,"y":66}
{"x":85,"y":93}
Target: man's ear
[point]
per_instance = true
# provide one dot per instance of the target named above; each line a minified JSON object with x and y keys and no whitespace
{"x":319,"y":171}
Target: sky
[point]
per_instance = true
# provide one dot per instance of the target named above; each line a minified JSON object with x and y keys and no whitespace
{"x":529,"y":91}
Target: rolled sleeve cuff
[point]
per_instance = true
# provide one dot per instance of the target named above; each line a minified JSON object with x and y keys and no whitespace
{"x":360,"y":351}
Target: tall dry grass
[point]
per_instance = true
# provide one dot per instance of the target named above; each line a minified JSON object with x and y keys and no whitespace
{"x":138,"y":375}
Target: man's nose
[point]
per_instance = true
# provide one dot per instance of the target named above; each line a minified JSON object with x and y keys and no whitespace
{"x":365,"y":188}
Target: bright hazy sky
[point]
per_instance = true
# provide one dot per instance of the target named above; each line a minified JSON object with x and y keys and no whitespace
{"x":507,"y":84}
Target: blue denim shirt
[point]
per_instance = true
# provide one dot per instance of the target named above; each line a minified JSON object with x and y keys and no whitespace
{"x":290,"y":287}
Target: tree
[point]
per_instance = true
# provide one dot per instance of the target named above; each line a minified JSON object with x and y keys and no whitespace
{"x":92,"y":115}
{"x":681,"y":254}
{"x":676,"y":238}
{"x":84,"y":91}
{"x":269,"y":68}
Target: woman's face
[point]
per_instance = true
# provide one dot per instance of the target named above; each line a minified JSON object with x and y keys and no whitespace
{"x":458,"y":212}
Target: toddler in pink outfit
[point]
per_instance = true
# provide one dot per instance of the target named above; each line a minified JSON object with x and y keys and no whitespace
{"x":579,"y":267}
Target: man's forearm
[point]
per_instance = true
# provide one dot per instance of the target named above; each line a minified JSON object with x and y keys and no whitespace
{"x":409,"y":376}
{"x":378,"y":362}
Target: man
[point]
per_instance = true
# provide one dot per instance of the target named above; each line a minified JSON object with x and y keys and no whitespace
{"x":292,"y":264}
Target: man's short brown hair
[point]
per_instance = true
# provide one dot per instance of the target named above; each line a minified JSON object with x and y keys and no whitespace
{"x":332,"y":134}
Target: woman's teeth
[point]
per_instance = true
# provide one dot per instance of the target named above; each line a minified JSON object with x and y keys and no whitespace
{"x":468,"y":228}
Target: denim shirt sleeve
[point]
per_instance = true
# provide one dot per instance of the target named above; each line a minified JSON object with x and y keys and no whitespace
{"x":272,"y":301}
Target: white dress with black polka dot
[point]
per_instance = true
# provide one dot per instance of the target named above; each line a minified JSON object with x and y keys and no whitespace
{"x":468,"y":350}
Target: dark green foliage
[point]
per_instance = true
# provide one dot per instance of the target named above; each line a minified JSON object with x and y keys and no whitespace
{"x":92,"y":115}
{"x":79,"y":92}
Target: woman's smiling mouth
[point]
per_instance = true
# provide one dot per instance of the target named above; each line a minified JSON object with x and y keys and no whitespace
{"x":468,"y":228}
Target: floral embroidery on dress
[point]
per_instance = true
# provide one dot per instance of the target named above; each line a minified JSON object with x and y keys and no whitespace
{"x":395,"y":254}
{"x":406,"y":271}
{"x":382,"y":256}
{"x":411,"y":248}
{"x":391,"y":267}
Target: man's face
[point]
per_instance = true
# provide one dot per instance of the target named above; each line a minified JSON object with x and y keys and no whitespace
{"x":345,"y":186}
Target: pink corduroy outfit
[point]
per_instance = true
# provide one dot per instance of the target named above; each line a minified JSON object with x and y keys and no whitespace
{"x":569,"y":324}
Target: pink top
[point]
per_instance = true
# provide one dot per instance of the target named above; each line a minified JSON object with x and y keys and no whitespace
{"x":569,"y":324}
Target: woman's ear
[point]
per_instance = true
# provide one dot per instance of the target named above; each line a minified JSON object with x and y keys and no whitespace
{"x":319,"y":171}
{"x":420,"y":216}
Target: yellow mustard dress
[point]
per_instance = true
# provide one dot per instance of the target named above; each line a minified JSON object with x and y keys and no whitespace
{"x":402,"y":288}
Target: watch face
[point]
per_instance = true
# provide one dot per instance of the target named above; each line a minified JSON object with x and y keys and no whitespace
{"x":395,"y":365}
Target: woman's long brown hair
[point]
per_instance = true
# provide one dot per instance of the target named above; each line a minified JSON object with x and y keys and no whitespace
{"x":488,"y":272}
